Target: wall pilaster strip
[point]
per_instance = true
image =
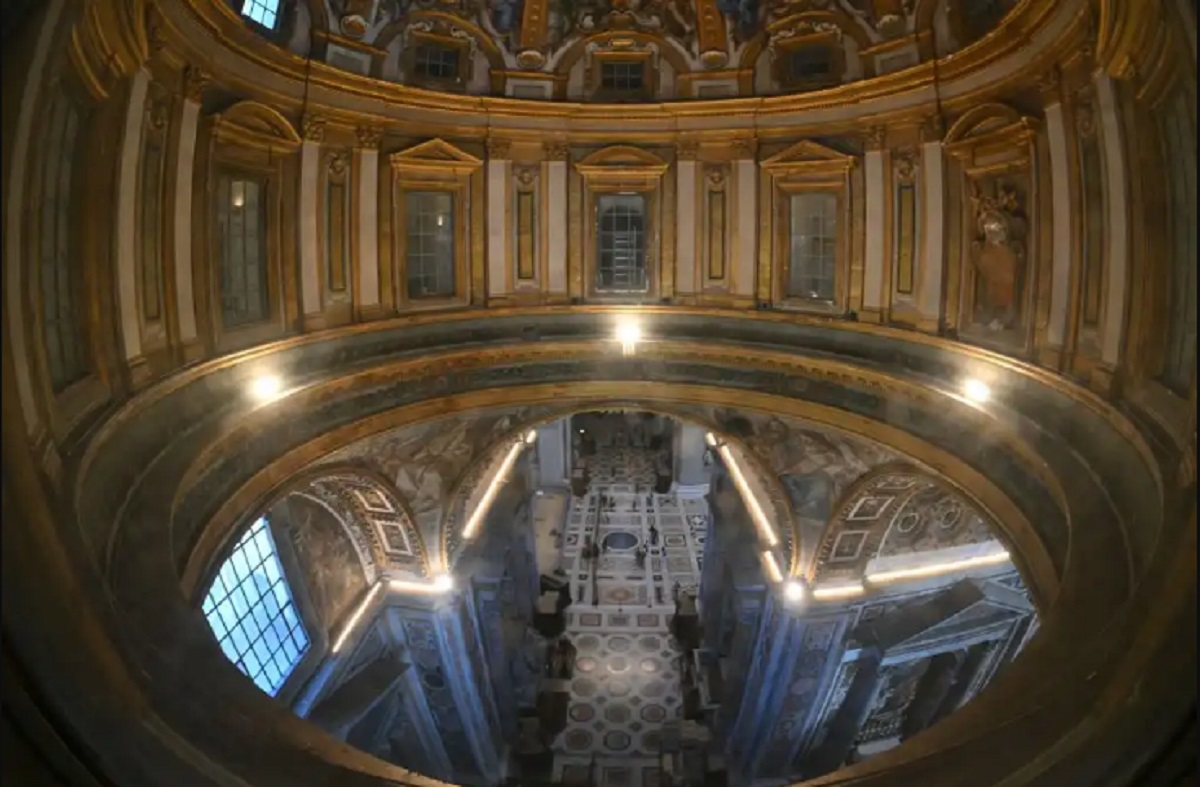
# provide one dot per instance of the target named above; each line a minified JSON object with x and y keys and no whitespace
{"x":497,"y":224}
{"x":873,"y":261}
{"x":685,"y":218}
{"x":929,"y":302}
{"x":185,"y":298}
{"x":310,"y":276}
{"x":746,"y":187}
{"x":1116,"y":257}
{"x":126,"y":235}
{"x":1060,"y":179}
{"x":366,"y":161}
{"x":556,"y":198}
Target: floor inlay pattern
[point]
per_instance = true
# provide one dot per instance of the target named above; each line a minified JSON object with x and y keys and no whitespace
{"x":626,"y":683}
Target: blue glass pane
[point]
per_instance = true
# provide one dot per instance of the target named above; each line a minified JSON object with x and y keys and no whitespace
{"x":250,"y":609}
{"x":265,"y":12}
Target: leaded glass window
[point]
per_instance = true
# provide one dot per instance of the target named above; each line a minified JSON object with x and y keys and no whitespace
{"x":812,"y":246}
{"x":250,"y":610}
{"x":621,"y":243}
{"x":430,"y":244}
{"x":264,"y":12}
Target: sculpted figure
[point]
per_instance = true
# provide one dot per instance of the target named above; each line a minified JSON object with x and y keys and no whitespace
{"x":998,"y":253}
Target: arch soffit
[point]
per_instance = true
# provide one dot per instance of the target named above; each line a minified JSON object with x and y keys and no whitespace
{"x":365,"y":504}
{"x":462,"y":489}
{"x":871,"y":508}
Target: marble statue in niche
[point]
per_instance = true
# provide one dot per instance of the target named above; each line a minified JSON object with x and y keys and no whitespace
{"x":998,"y":254}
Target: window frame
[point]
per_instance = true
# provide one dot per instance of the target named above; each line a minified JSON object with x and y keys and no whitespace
{"x":788,"y":221}
{"x":635,"y":58}
{"x":433,"y":166}
{"x":423,"y":41}
{"x":441,"y":232}
{"x":783,"y":57}
{"x":623,"y":169}
{"x":244,"y":14}
{"x":599,"y":237}
{"x":292,"y":687}
{"x":805,"y":167}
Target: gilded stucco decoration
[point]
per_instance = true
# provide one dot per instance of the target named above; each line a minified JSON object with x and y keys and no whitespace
{"x":545,"y":41}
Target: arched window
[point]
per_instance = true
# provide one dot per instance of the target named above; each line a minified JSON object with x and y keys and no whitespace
{"x":250,"y":609}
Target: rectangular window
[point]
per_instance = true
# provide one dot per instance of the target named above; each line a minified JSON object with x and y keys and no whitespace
{"x":250,"y":610}
{"x":813,"y":246}
{"x":621,"y":243}
{"x":242,"y":240}
{"x":57,"y":262}
{"x":622,"y":76}
{"x":430,"y":244}
{"x":436,"y":62}
{"x":1179,"y":136}
{"x":810,"y":64}
{"x":264,"y":12}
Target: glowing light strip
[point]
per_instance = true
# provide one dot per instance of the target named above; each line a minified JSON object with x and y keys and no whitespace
{"x":357,"y":616}
{"x":440,"y":585}
{"x":772,"y":566}
{"x":838,"y":591}
{"x":743,"y":487}
{"x":485,"y":502}
{"x":938,"y":568}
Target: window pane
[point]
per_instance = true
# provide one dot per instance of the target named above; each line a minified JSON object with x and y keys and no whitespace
{"x":248,"y":631}
{"x":621,"y":243}
{"x":436,"y":62}
{"x":61,"y":326}
{"x":265,"y":12}
{"x":813,"y":247}
{"x":430,"y":244}
{"x":241,"y":229}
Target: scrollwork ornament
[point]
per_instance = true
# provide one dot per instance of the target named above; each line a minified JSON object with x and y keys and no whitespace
{"x":557,"y":150}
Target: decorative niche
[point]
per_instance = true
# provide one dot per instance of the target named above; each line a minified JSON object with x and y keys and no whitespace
{"x":247,"y":201}
{"x":334,"y":232}
{"x":716,"y":211}
{"x":808,"y":50}
{"x":807,"y":193}
{"x":528,"y":268}
{"x":622,"y":227}
{"x":435,"y":227}
{"x":991,"y":290}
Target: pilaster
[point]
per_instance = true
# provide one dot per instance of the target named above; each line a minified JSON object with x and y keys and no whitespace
{"x":366,"y":174}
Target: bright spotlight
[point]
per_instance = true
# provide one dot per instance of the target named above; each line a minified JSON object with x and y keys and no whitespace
{"x":977,"y":390}
{"x":266,"y":387}
{"x":793,"y":591}
{"x":629,"y":333}
{"x":530,"y":436}
{"x":443,"y":582}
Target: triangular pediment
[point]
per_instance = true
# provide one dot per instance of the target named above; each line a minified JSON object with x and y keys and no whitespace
{"x":806,"y":153}
{"x":968,"y":606}
{"x":435,"y":150}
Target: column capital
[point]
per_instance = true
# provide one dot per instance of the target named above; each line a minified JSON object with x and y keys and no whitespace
{"x":195,"y":80}
{"x":313,"y":128}
{"x":498,"y":148}
{"x":686,"y":150}
{"x":876,"y":138}
{"x":558,"y":150}
{"x":369,"y":137}
{"x":933,"y":128}
{"x":1049,"y":84}
{"x":745,"y":148}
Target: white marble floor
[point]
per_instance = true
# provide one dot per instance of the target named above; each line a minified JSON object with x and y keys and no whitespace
{"x":626,"y":682}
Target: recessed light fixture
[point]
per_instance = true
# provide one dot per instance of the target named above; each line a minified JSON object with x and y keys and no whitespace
{"x":266,"y":387}
{"x":629,"y":333}
{"x":977,"y":390}
{"x":793,"y":591}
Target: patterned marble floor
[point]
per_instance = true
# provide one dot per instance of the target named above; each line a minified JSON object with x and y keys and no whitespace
{"x":626,"y":682}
